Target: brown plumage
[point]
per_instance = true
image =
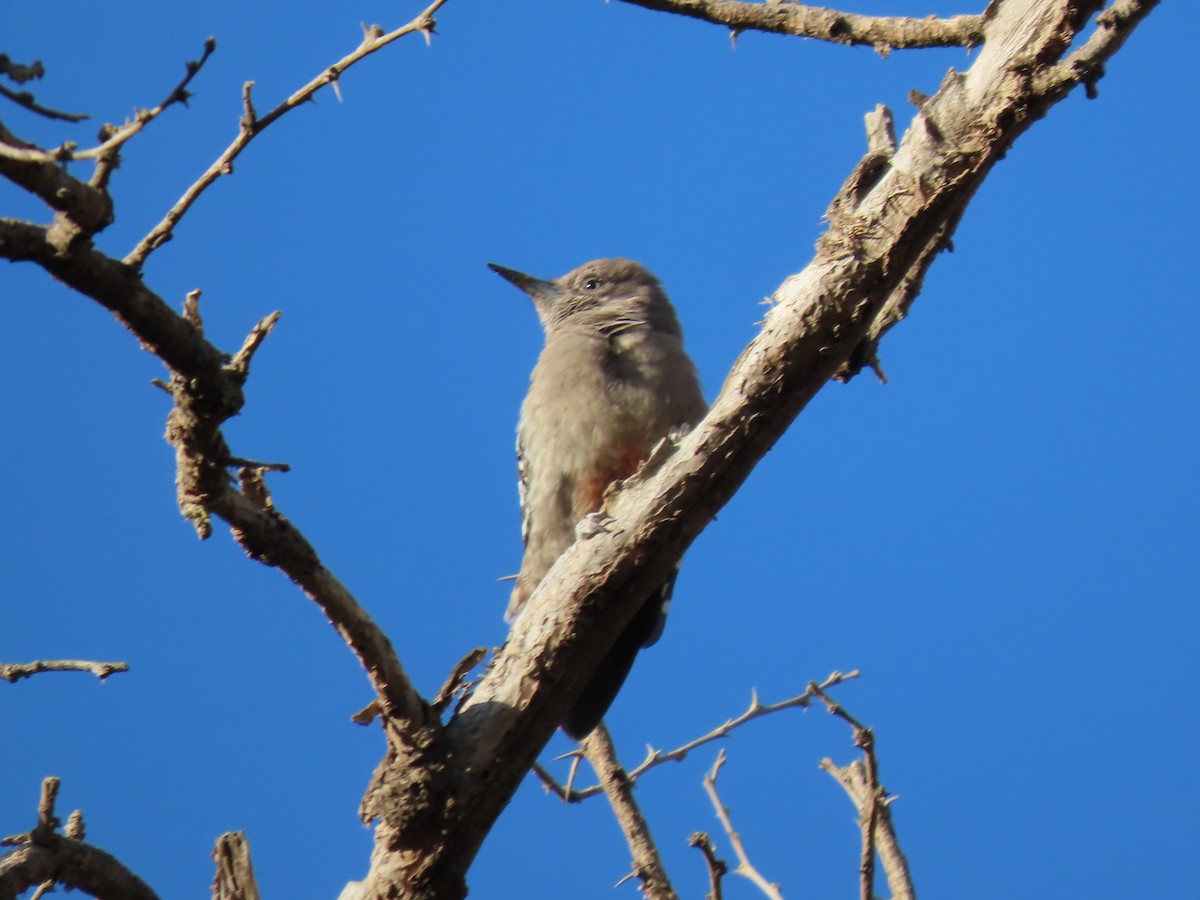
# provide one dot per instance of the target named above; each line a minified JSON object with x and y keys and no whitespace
{"x":612,"y":380}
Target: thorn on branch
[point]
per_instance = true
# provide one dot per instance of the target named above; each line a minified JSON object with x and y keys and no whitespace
{"x":864,"y":355}
{"x":428,"y":28}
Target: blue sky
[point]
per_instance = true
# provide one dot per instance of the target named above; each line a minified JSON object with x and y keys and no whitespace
{"x":1003,"y":538}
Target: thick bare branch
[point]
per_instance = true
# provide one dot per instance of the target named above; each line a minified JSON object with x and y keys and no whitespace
{"x":40,"y":173}
{"x":647,"y":863}
{"x":14,"y":672}
{"x":251,"y":125}
{"x":884,"y":33}
{"x":269,"y":537}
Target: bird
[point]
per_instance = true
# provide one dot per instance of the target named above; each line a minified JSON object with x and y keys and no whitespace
{"x":612,"y":380}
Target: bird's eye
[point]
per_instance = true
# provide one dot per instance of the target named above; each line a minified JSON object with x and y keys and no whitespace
{"x":591,"y":284}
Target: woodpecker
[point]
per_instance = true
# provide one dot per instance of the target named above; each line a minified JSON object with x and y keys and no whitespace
{"x":612,"y":380}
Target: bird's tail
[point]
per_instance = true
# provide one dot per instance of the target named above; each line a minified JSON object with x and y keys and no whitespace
{"x":605,"y":683}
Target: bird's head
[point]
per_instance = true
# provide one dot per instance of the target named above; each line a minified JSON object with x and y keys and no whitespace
{"x":605,"y":295}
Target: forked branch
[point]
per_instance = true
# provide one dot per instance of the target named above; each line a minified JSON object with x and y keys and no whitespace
{"x":251,"y":124}
{"x":860,"y":780}
{"x":46,"y":856}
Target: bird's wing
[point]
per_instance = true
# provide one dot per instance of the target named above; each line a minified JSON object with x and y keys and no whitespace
{"x":523,"y":490}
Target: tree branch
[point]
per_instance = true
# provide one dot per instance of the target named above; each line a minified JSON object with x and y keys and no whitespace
{"x":14,"y":672}
{"x":884,"y":33}
{"x":648,"y":866}
{"x":656,"y":758}
{"x":44,"y":855}
{"x":235,"y":873}
{"x":1086,"y":65}
{"x":207,"y":388}
{"x":860,"y":780}
{"x":20,"y":74}
{"x":744,"y":867}
{"x":38,"y":172}
{"x":717,"y":868}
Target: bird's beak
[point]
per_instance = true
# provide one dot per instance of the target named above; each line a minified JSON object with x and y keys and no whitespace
{"x":543,"y":293}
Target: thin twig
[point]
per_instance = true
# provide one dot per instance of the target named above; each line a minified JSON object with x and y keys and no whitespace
{"x":25,"y":99}
{"x":21,"y":73}
{"x":115,"y":136}
{"x":656,"y":758}
{"x":861,"y":782}
{"x":744,"y":867}
{"x":251,"y":125}
{"x":13,"y":672}
{"x":869,"y":812}
{"x":717,"y":868}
